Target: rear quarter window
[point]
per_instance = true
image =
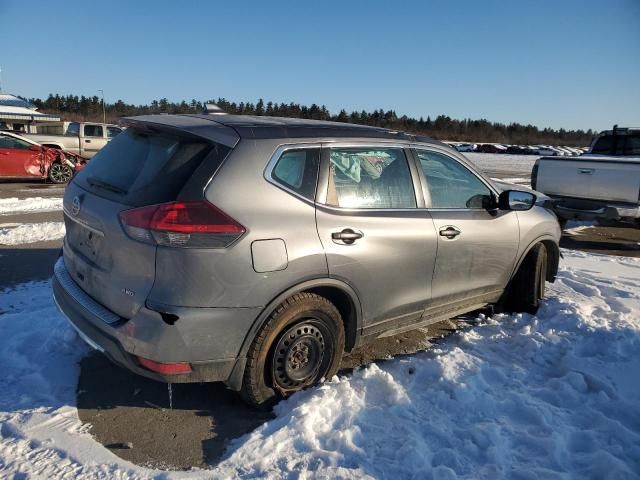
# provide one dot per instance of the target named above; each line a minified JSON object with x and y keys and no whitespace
{"x":138,"y":168}
{"x":297,"y":170}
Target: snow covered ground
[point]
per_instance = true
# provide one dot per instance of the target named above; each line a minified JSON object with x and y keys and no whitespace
{"x":27,"y":205}
{"x":18,"y":234}
{"x":555,"y":395}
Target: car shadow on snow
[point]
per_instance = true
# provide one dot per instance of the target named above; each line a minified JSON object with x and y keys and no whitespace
{"x":131,"y":415}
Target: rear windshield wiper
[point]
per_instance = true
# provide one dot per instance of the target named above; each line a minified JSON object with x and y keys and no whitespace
{"x":94,"y":182}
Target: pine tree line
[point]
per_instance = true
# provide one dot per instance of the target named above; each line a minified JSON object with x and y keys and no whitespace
{"x":442,"y":127}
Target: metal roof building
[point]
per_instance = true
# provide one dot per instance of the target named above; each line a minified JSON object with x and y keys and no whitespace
{"x":19,"y":115}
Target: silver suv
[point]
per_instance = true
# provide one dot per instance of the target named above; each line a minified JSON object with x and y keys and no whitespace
{"x":256,"y":250}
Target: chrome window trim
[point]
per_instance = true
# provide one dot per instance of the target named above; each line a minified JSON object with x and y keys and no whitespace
{"x":271,"y":165}
{"x":465,"y":165}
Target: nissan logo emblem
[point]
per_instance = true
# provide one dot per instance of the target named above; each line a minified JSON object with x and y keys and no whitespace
{"x":75,"y":206}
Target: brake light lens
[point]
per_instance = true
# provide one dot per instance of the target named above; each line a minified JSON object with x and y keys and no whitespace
{"x":165,"y":368}
{"x":190,"y":224}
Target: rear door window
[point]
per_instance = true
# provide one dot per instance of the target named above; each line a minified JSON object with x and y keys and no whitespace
{"x":139,"y":168}
{"x":93,"y":131}
{"x":632,"y":145}
{"x":370,"y":178}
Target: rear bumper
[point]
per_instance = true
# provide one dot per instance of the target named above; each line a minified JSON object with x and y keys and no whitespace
{"x":580,"y":209}
{"x":196,"y":338}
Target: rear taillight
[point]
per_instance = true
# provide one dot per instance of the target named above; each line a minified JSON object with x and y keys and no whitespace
{"x":194,"y":224}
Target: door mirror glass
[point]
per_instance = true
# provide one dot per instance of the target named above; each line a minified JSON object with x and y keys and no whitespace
{"x":516,"y":200}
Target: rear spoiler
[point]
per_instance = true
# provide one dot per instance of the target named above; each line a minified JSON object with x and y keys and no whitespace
{"x":197,"y":126}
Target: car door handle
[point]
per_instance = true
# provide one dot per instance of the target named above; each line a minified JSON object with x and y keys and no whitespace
{"x":586,"y":171}
{"x":87,"y":141}
{"x":449,"y":232}
{"x":347,"y":236}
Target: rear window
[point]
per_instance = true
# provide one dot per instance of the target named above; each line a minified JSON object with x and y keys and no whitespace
{"x":625,"y":145}
{"x":138,"y":168}
{"x":632,"y":145}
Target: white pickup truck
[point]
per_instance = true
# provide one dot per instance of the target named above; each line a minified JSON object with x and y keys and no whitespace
{"x":603,"y":184}
{"x":84,"y":139}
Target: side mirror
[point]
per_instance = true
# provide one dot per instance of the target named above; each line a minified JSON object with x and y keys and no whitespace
{"x":35,"y":148}
{"x":516,"y":200}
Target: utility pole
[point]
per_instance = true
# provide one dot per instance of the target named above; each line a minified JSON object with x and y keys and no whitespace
{"x":0,"y":79}
{"x":104,"y":114}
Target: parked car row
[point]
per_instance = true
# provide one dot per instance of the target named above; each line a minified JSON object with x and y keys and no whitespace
{"x":546,"y":150}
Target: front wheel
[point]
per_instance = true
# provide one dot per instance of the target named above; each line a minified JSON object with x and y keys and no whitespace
{"x":60,"y":173}
{"x":299,"y":345}
{"x":527,"y":286}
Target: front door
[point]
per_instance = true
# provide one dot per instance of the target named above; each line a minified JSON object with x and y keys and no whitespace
{"x":477,"y":246}
{"x":16,"y":158}
{"x":374,"y":236}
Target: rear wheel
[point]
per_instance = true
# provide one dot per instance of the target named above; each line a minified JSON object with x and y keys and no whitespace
{"x":60,"y":173}
{"x":300,"y":345}
{"x":528,"y":285}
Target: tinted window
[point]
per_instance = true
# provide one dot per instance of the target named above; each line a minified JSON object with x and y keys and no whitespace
{"x":73,"y":130}
{"x":450,"y":184}
{"x":370,"y":178}
{"x":298,"y":171}
{"x":113,"y":131}
{"x":139,"y":168}
{"x":603,"y":145}
{"x":93,"y":131}
{"x":632,"y":145}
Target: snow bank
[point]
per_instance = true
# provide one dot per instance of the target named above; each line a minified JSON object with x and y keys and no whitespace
{"x":27,"y":205}
{"x":31,"y":233}
{"x":555,"y":395}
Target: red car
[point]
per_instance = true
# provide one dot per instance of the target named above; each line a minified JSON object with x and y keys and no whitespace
{"x":24,"y":158}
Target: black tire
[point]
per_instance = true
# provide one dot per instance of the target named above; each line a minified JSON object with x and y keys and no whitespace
{"x":60,"y":173}
{"x":300,"y":344}
{"x":527,"y":286}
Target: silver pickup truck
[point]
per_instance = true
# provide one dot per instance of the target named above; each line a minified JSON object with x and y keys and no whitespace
{"x":84,"y":139}
{"x":603,"y":184}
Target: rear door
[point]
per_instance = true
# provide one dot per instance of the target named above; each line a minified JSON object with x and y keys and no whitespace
{"x":375,"y":237}
{"x":476,"y":246}
{"x":93,"y":139}
{"x":136,"y":169}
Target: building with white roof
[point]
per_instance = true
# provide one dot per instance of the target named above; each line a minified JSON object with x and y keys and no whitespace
{"x":19,"y":115}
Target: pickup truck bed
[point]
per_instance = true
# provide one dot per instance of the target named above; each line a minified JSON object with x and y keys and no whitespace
{"x":591,"y":186}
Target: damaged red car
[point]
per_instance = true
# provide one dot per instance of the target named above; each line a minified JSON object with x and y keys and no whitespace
{"x":24,"y":158}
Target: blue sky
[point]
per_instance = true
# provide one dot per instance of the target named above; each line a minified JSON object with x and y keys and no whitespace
{"x":571,"y":64}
